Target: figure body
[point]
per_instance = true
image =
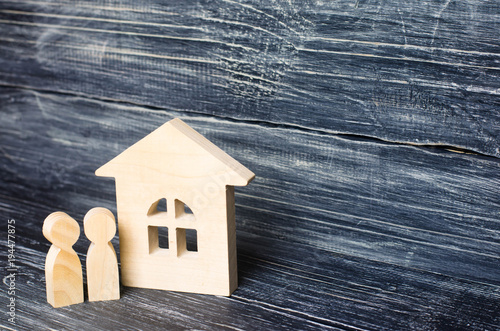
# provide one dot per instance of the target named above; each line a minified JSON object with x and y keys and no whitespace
{"x":63,"y":270}
{"x":102,"y":266}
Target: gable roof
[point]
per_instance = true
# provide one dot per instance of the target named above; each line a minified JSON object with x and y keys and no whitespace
{"x":177,"y":150}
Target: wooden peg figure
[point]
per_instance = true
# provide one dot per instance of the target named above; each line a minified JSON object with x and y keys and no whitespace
{"x":63,"y":270}
{"x":102,"y":266}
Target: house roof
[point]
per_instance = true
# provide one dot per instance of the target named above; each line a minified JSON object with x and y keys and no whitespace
{"x":175,"y":149}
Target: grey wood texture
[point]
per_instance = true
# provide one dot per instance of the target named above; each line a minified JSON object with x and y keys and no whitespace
{"x":334,"y":231}
{"x":424,"y":72}
{"x":372,"y":127}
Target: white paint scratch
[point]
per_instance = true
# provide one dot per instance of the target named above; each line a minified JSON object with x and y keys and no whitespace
{"x":106,"y":20}
{"x":439,"y":16}
{"x":129,"y":33}
{"x":262,"y":13}
{"x":403,"y":58}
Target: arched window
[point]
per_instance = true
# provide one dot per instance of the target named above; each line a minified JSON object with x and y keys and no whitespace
{"x":182,"y":221}
{"x":186,"y":233}
{"x":159,"y":206}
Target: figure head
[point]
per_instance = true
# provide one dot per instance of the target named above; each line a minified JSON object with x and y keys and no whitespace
{"x":99,"y":225}
{"x":61,"y":230}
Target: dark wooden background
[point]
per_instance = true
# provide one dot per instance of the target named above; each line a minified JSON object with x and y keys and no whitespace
{"x":373,"y":128}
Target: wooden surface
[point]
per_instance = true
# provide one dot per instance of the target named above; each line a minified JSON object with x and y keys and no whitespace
{"x":372,"y":127}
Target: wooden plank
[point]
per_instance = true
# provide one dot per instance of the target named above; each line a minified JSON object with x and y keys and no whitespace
{"x":420,"y":72}
{"x":423,"y":208}
{"x":282,"y":286}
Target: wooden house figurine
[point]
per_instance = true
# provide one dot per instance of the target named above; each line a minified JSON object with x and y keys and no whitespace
{"x":176,"y":184}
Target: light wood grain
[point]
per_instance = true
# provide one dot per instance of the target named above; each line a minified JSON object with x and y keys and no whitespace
{"x":63,"y":270}
{"x":103,"y":280}
{"x":177,"y":163}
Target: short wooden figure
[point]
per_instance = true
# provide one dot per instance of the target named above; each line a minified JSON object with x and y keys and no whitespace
{"x":176,"y":215}
{"x":102,"y":267}
{"x":63,"y":270}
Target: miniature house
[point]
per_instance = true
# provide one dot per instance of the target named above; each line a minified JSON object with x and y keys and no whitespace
{"x":176,"y":217}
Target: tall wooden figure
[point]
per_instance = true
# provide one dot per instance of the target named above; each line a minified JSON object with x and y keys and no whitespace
{"x":102,"y":266}
{"x":63,"y":270}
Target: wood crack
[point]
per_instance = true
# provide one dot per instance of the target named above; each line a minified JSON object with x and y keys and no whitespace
{"x":432,"y":147}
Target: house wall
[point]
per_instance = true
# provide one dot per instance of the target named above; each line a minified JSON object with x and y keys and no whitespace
{"x":204,"y":271}
{"x":372,"y":127}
